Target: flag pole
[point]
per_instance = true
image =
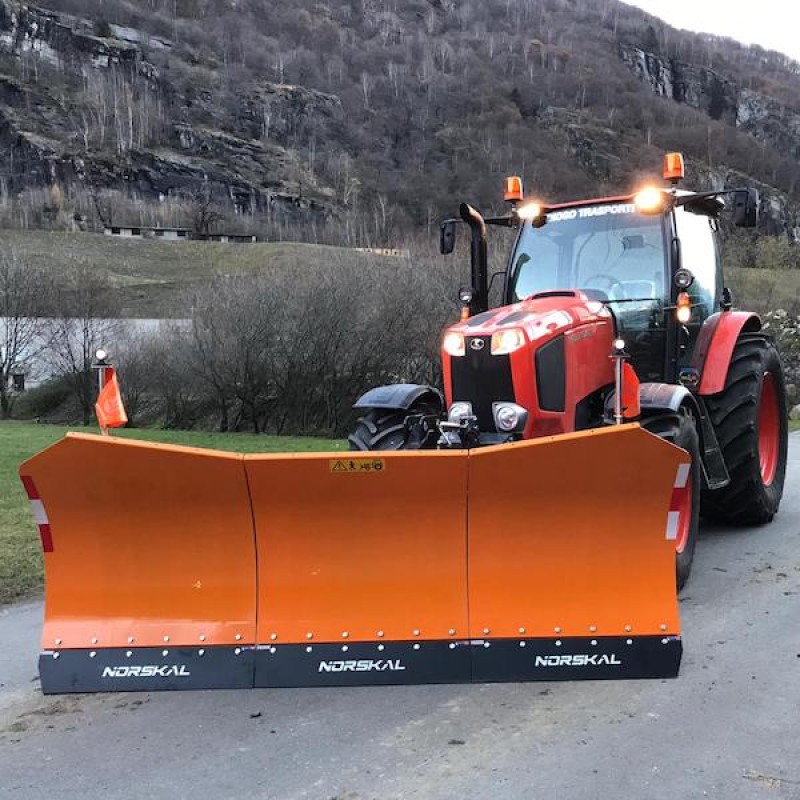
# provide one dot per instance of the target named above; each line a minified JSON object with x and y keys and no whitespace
{"x":101,"y":365}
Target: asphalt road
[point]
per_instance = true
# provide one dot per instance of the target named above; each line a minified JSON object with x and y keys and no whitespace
{"x":728,"y":727}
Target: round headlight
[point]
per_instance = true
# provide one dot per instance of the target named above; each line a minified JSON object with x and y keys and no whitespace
{"x":683,"y":279}
{"x":459,"y":411}
{"x":507,"y":418}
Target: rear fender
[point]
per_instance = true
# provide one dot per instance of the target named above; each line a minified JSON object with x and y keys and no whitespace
{"x":715,"y":344}
{"x":400,"y":396}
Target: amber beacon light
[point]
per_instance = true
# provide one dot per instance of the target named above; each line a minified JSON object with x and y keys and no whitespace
{"x":512,"y":190}
{"x":673,"y":167}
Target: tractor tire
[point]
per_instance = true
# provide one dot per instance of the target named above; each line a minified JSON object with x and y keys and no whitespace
{"x":681,"y":430}
{"x":750,"y":419}
{"x":395,"y":429}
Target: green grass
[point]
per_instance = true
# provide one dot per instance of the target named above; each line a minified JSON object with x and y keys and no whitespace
{"x":794,"y":425}
{"x":765,"y":289}
{"x":149,"y":276}
{"x":20,"y":550}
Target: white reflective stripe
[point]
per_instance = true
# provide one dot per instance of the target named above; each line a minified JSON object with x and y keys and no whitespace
{"x":673,"y":520}
{"x":682,"y":476}
{"x":39,"y":514}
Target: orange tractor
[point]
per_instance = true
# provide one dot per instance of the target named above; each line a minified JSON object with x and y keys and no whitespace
{"x":585,"y":426}
{"x":613,"y":310}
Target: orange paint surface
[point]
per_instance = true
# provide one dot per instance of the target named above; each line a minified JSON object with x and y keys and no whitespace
{"x":149,"y":541}
{"x":568,"y":533}
{"x":360,"y":553}
{"x":153,"y":541}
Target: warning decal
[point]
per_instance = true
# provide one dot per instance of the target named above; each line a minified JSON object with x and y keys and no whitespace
{"x":357,"y":466}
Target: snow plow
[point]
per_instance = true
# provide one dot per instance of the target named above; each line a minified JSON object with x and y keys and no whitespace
{"x":532,"y":519}
{"x":224,"y":572}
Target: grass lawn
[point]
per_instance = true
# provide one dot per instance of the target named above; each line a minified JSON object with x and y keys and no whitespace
{"x":150,"y":277}
{"x":20,"y":550}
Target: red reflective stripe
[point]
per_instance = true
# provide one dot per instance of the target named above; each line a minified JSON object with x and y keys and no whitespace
{"x":30,"y":487}
{"x":47,"y":538}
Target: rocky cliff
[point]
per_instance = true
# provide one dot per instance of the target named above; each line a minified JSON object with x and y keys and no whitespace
{"x":376,"y":117}
{"x":766,"y":119}
{"x":90,"y":117}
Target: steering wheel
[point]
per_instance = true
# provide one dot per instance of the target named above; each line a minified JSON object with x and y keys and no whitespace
{"x":612,"y":282}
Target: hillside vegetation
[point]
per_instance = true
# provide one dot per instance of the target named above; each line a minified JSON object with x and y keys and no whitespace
{"x":153,"y":279}
{"x":355,"y":120}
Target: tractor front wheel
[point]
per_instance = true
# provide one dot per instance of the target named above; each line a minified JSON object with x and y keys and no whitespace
{"x":749,"y":416}
{"x":681,"y":430}
{"x":396,"y":429}
{"x":687,"y":500}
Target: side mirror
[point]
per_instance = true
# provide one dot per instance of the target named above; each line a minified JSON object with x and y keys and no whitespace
{"x":745,"y":208}
{"x":447,"y":237}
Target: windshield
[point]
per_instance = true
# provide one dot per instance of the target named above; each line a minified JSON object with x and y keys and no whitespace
{"x":610,"y":251}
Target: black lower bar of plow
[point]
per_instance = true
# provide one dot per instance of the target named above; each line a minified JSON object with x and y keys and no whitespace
{"x":363,"y":664}
{"x":146,"y":669}
{"x":359,"y":664}
{"x":573,"y":659}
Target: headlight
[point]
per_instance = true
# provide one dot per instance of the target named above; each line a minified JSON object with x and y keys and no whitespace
{"x":649,"y":200}
{"x":459,"y":411}
{"x":453,"y":344}
{"x":509,"y":417}
{"x":505,"y":342}
{"x":529,"y":211}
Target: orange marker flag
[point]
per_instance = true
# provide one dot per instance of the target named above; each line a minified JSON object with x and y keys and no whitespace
{"x":109,"y":409}
{"x":630,"y":392}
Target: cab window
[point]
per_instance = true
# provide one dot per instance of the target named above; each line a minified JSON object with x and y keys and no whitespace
{"x":699,"y":255}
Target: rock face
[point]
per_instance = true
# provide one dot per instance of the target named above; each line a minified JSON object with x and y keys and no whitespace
{"x":769,"y":121}
{"x":246,"y":157}
{"x":695,"y":86}
{"x":762,"y":117}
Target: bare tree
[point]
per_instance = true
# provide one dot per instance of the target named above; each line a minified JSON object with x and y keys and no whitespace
{"x":205,"y":214}
{"x":84,"y":320}
{"x":23,"y":293}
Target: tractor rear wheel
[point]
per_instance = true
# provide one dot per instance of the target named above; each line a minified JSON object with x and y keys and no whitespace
{"x":681,"y":431}
{"x":749,"y":416}
{"x":396,"y":429}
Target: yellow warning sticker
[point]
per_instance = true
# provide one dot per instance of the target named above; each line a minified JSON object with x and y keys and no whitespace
{"x":357,"y":466}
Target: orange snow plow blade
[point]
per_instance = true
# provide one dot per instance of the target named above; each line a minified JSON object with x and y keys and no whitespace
{"x":569,"y":547}
{"x":151,"y":561}
{"x":171,"y":568}
{"x":362,"y":564}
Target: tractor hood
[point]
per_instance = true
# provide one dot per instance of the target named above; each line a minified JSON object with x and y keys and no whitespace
{"x":547,"y":354}
{"x":540,"y":316}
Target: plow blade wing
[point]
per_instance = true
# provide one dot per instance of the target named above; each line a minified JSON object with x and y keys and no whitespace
{"x":362,"y":567}
{"x":571,"y":571}
{"x":170,"y":568}
{"x":150,"y":573}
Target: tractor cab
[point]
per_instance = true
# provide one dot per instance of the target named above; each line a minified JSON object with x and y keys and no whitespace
{"x":631,"y":262}
{"x":613,"y":311}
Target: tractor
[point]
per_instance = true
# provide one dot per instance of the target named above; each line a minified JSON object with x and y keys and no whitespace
{"x":613,"y":310}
